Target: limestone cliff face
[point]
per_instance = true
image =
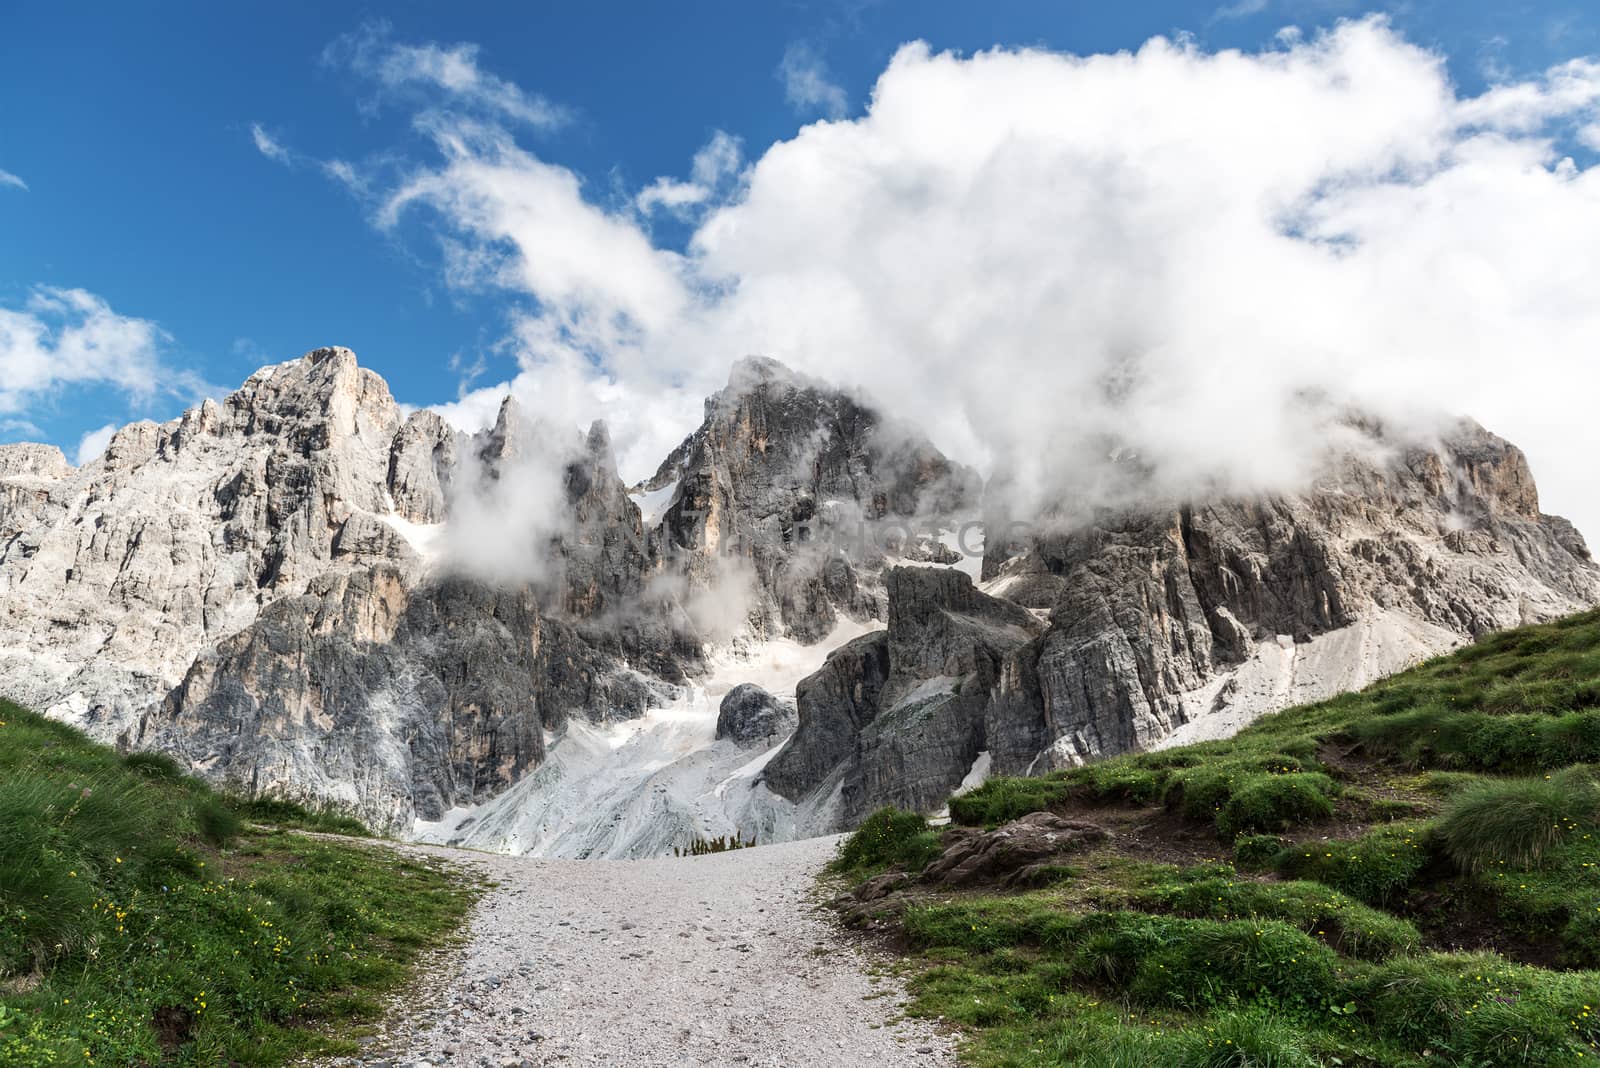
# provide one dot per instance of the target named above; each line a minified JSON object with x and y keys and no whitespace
{"x":802,"y":483}
{"x":268,"y":586}
{"x":1154,"y":615}
{"x":608,"y":570}
{"x":422,"y":458}
{"x":114,"y":576}
{"x":249,"y":587}
{"x":395,"y":703}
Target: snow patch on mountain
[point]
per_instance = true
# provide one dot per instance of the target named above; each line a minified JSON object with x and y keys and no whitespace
{"x":642,"y":787}
{"x":652,"y":503}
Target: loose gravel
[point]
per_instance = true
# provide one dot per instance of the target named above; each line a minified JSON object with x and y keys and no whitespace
{"x":729,"y":959}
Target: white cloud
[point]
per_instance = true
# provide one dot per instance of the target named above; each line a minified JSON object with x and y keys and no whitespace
{"x":269,"y":146}
{"x":713,"y":166}
{"x":346,"y":175}
{"x":451,"y":70}
{"x":69,"y":337}
{"x":671,"y":194}
{"x":1035,"y":254}
{"x":93,"y":444}
{"x":719,"y":159}
{"x":1571,"y":89}
{"x":1240,"y":10}
{"x":9,"y":179}
{"x":807,"y":84}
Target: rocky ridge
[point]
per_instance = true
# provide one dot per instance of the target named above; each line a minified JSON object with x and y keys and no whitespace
{"x":271,"y":589}
{"x":301,"y":590}
{"x":1175,"y":624}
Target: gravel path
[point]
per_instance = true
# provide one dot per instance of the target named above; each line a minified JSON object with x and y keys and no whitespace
{"x":718,"y":960}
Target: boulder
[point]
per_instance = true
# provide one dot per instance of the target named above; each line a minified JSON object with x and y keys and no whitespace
{"x":1012,"y":853}
{"x":750,"y":715}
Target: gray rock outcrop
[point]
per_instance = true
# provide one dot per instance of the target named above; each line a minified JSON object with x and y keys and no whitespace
{"x":1012,"y":854}
{"x":1161,"y":619}
{"x":899,"y":716}
{"x":249,"y":588}
{"x":114,"y":576}
{"x":749,"y":715}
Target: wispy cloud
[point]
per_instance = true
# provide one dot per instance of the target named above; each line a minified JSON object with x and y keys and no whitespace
{"x":717,"y":162}
{"x":1240,"y":10}
{"x":9,"y":179}
{"x":451,"y":69}
{"x":269,"y":146}
{"x":671,"y":194}
{"x":807,"y":83}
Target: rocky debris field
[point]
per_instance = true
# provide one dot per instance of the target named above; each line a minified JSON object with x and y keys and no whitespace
{"x":729,"y":959}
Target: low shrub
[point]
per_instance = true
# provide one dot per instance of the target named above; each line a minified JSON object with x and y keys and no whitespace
{"x":705,"y":847}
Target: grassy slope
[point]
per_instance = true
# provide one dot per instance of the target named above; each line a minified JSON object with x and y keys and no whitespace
{"x":141,"y":922}
{"x":1408,"y":875}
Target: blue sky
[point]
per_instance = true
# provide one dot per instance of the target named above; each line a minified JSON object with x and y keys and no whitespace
{"x":129,"y":133}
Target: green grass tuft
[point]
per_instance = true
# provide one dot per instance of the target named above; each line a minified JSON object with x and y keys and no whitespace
{"x":280,"y":812}
{"x":1257,"y":852}
{"x":1276,"y":803}
{"x":1376,"y":868}
{"x":888,"y":837}
{"x":1518,"y":821}
{"x":1001,"y":800}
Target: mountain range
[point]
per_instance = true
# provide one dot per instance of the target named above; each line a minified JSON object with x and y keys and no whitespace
{"x":304,"y":590}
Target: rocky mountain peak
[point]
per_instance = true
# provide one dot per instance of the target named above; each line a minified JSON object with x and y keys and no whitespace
{"x":506,"y":439}
{"x":750,"y":373}
{"x":323,"y":396}
{"x":784,"y":475}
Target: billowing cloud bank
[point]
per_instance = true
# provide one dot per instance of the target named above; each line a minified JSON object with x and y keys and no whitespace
{"x":1039,"y":257}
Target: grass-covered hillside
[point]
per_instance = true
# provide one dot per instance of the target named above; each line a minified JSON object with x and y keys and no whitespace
{"x":144,"y":921}
{"x":1409,"y":875}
